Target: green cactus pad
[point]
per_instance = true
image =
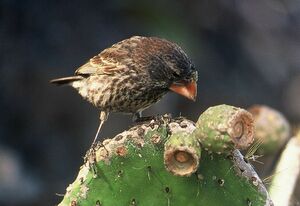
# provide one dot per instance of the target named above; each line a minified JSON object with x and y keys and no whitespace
{"x":129,"y":170}
{"x":272,"y":129}
{"x":223,"y":128}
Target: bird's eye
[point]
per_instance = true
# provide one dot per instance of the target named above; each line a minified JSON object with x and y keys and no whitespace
{"x":176,"y":75}
{"x":192,"y":67}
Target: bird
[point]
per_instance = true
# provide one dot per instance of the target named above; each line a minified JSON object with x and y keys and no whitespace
{"x":132,"y":75}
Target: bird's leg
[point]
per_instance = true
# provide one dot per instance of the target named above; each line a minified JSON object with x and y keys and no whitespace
{"x":137,"y":117}
{"x":103,"y":117}
{"x":91,"y":153}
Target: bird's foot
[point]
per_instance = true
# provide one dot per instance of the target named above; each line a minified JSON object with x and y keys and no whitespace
{"x":146,"y":119}
{"x":156,"y":118}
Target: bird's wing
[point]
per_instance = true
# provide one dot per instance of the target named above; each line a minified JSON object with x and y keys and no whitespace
{"x":115,"y":59}
{"x":98,"y":65}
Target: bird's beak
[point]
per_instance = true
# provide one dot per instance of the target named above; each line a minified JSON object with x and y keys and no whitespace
{"x":188,"y":90}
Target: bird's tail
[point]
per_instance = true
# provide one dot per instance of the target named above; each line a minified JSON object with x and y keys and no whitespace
{"x":66,"y":80}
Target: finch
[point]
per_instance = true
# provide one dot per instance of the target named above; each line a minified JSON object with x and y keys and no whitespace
{"x":133,"y":74}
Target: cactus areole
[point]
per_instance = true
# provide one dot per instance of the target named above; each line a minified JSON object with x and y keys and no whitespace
{"x":168,"y":162}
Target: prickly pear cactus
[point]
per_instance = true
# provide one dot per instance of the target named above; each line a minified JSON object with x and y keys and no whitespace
{"x":272,"y":129}
{"x":163,"y":162}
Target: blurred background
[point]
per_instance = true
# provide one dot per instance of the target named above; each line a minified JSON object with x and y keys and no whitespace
{"x":246,"y":52}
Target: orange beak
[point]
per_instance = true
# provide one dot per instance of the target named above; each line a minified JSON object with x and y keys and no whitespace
{"x":188,"y":90}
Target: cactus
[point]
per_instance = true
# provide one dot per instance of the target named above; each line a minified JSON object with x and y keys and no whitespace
{"x":272,"y":130}
{"x":286,"y":173}
{"x":163,"y":163}
{"x":222,"y":128}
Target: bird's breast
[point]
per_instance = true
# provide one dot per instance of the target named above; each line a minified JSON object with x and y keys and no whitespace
{"x":119,"y":93}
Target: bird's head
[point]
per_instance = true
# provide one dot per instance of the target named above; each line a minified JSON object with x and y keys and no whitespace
{"x":173,"y":68}
{"x":184,"y":81}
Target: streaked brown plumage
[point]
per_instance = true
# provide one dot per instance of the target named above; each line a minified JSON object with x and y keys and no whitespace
{"x":133,"y":74}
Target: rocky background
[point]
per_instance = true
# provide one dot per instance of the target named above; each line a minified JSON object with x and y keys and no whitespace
{"x":247,"y":52}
